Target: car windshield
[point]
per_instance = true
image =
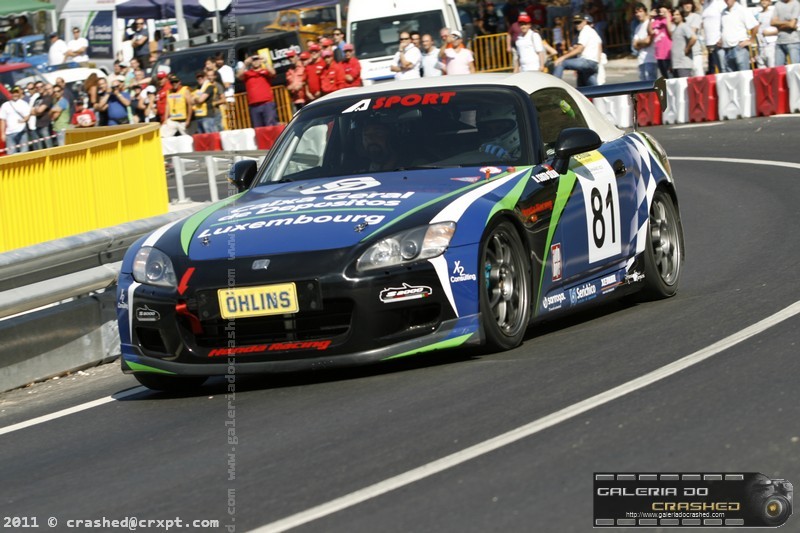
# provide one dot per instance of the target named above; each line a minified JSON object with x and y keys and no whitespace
{"x":378,"y":37}
{"x":402,"y":130}
{"x":14,"y":50}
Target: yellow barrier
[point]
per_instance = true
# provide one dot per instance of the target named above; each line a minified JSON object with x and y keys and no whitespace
{"x":491,"y":53}
{"x":237,"y":116}
{"x":103,"y":177}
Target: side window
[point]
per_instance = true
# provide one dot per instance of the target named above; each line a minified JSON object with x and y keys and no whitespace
{"x":557,"y":110}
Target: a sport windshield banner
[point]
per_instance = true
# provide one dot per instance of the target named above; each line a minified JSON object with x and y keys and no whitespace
{"x":691,"y":500}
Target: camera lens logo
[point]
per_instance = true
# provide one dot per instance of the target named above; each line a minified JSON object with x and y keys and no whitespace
{"x":772,"y":500}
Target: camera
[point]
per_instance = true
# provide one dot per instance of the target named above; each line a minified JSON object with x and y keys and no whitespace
{"x":771,"y":499}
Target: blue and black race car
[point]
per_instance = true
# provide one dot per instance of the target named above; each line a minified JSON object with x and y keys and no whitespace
{"x":398,"y":219}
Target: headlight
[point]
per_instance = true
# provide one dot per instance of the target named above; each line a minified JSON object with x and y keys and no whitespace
{"x":408,"y":247}
{"x":152,"y":267}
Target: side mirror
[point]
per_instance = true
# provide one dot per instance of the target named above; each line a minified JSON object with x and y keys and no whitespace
{"x":573,"y":141}
{"x":242,"y":174}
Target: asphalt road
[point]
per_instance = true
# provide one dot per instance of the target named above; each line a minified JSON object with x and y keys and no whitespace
{"x":305,"y":440}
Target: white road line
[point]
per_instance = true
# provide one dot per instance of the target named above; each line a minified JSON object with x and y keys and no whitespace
{"x":527,"y":430}
{"x":741,"y":161}
{"x":699,"y":125}
{"x":71,"y":410}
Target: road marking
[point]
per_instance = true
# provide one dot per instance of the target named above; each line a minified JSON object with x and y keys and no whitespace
{"x":527,"y":430}
{"x":703,"y":125}
{"x":785,"y":164}
{"x":71,"y":410}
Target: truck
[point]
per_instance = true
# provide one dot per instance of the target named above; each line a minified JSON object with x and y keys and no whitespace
{"x":373,"y":27}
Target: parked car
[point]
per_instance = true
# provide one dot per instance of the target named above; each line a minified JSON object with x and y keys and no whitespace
{"x":12,"y":74}
{"x":311,"y":22}
{"x":31,"y":49}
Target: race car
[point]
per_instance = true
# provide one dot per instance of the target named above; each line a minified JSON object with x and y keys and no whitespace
{"x":399,"y":219}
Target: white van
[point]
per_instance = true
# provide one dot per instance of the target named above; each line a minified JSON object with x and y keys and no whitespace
{"x":373,"y":27}
{"x":99,"y":24}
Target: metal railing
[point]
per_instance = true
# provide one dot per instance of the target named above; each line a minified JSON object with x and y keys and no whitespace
{"x":210,"y":164}
{"x":236,"y":115}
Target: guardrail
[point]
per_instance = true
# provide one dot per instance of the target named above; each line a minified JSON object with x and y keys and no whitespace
{"x":211,"y":164}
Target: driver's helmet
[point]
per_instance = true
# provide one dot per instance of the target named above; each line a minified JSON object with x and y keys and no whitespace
{"x":497,"y":124}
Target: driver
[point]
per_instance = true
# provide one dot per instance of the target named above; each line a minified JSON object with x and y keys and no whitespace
{"x":497,"y":127}
{"x":380,"y":146}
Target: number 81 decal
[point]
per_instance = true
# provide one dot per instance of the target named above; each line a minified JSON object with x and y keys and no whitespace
{"x":601,"y":201}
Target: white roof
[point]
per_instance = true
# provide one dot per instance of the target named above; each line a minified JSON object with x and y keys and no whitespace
{"x":530,"y":82}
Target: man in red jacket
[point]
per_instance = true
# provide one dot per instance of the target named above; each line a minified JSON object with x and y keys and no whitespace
{"x":351,"y":67}
{"x":313,"y":69}
{"x":256,"y":76}
{"x":332,"y":76}
{"x":296,"y":80}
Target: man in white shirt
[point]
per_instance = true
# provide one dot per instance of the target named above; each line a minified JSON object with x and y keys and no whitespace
{"x":785,"y":17}
{"x":643,"y":43}
{"x":55,"y":56}
{"x":458,"y":58}
{"x":712,"y":13}
{"x":431,"y":66}
{"x":14,"y":115}
{"x":739,"y":28}
{"x":584,"y":57}
{"x":407,"y":59}
{"x":77,"y":48}
{"x":530,"y":55}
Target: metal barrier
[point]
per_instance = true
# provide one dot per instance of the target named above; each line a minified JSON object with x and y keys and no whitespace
{"x":491,"y":53}
{"x":212,"y":164}
{"x":237,"y":114}
{"x":95,"y":182}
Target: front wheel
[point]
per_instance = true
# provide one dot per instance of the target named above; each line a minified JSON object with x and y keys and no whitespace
{"x":169,"y":383}
{"x":504,"y":287}
{"x":663,"y":254}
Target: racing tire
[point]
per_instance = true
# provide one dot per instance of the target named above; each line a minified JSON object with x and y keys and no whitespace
{"x":168,"y":383}
{"x":663,"y":253}
{"x":505,"y":287}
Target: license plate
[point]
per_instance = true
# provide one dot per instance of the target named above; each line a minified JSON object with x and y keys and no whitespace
{"x":258,"y":301}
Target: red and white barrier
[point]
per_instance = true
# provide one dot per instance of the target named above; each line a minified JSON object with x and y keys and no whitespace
{"x":735,"y":95}
{"x":245,"y":139}
{"x":677,"y":111}
{"x":793,"y":83}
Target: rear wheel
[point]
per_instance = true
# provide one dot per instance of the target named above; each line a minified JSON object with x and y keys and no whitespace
{"x":504,"y":287}
{"x":169,"y":383}
{"x":663,"y":254}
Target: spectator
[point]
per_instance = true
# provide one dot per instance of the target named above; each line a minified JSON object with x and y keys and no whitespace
{"x":326,"y":44}
{"x":444,"y":37}
{"x":179,"y":109}
{"x":584,"y":57}
{"x":206,"y":101}
{"x":338,"y":44}
{"x":351,"y":67}
{"x":41,"y":133}
{"x":163,"y":87}
{"x":30,"y":90}
{"x":407,"y":59}
{"x":684,"y":45}
{"x":167,"y":40}
{"x":643,"y":43}
{"x":489,"y":23}
{"x":788,"y":42}
{"x":431,"y":66}
{"x":767,"y":35}
{"x":90,"y":88}
{"x":530,"y":54}
{"x":695,"y":22}
{"x":144,"y":106}
{"x":712,"y":24}
{"x":217,"y":105}
{"x":558,"y":35}
{"x":313,"y":70}
{"x":458,"y":59}
{"x":100,"y":102}
{"x":83,"y":117}
{"x":140,"y":41}
{"x":226,"y":76}
{"x":65,"y":91}
{"x":58,"y":49}
{"x":14,"y":115}
{"x":60,"y":114}
{"x":660,"y":24}
{"x":332,"y":77}
{"x":739,"y":26}
{"x":296,"y":80}
{"x":260,"y":99}
{"x":36,"y":94}
{"x":114,"y":104}
{"x":416,"y":38}
{"x":77,"y":48}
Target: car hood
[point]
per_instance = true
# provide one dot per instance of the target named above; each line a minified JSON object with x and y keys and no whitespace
{"x":329,"y":213}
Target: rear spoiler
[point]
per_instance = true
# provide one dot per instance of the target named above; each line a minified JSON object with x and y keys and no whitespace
{"x":658,"y":86}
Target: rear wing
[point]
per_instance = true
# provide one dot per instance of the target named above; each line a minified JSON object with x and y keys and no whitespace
{"x":658,"y":86}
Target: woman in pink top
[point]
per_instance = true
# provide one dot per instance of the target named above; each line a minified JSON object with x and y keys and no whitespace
{"x":661,"y":23}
